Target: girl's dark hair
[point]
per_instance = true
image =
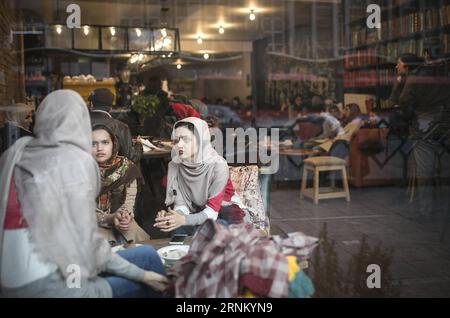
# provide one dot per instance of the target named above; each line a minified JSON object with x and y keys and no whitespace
{"x":189,"y":126}
{"x":355,"y":111}
{"x":411,"y":61}
{"x":104,"y":127}
{"x":113,"y":137}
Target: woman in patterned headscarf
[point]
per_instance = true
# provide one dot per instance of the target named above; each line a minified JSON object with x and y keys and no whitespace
{"x":120,"y":179}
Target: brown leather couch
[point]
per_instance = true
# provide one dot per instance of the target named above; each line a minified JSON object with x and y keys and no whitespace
{"x":374,"y":160}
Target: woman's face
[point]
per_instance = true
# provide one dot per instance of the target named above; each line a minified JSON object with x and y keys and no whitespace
{"x":401,"y":67}
{"x":185,"y":144}
{"x":102,"y":145}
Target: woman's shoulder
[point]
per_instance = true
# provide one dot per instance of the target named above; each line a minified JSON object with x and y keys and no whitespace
{"x":220,"y":166}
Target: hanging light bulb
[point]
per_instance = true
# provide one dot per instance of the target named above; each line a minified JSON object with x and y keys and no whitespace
{"x":164,"y":32}
{"x":58,"y":29}
{"x":86,"y":30}
{"x":138,"y":32}
{"x":179,"y":66}
{"x":221,"y":30}
{"x":112,"y":30}
{"x":199,"y":39}
{"x":252,"y":15}
{"x":206,"y":56}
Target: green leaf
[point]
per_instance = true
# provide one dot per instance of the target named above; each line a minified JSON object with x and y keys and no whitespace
{"x":145,"y":106}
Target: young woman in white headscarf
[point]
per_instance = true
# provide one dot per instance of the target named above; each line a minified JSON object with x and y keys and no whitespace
{"x":198,"y":182}
{"x":49,"y":243}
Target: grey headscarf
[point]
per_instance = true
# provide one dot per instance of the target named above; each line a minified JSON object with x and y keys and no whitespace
{"x":194,"y":183}
{"x":57,"y":182}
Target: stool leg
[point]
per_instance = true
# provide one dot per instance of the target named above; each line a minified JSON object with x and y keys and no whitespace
{"x":345,"y":184}
{"x":304,"y":180}
{"x":316,"y":185}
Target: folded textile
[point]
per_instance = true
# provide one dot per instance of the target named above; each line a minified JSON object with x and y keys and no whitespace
{"x":221,"y":257}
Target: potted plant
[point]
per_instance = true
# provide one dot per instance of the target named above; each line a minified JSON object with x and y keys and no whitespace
{"x":144,"y":105}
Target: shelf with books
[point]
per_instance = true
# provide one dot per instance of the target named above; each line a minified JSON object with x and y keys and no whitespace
{"x":406,"y":27}
{"x":392,"y":10}
{"x":426,"y":22}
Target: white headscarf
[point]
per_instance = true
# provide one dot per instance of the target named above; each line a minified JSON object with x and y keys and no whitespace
{"x":57,"y":181}
{"x":194,"y":183}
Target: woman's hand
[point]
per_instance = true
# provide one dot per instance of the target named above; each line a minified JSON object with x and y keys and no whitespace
{"x":125,"y":221}
{"x":156,"y":281}
{"x":122,"y":220}
{"x":169,"y":221}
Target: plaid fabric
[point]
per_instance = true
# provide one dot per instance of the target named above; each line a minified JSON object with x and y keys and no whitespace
{"x":219,"y":256}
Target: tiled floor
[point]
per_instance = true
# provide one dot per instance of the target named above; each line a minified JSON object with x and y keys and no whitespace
{"x":421,"y":263}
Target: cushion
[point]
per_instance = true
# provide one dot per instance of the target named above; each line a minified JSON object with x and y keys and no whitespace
{"x":325,"y":161}
{"x":245,"y":180}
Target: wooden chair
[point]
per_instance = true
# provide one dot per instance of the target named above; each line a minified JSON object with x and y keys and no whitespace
{"x":320,"y":164}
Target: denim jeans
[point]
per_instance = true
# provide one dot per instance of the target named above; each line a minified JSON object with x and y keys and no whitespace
{"x":144,"y":257}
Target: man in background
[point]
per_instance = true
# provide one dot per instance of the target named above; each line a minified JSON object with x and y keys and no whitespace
{"x":101,"y":101}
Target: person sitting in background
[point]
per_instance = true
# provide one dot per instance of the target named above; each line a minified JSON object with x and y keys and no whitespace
{"x":120,"y":179}
{"x":331,"y":127}
{"x":338,"y":146}
{"x":48,"y":232}
{"x":198,"y":182}
{"x":236,"y":103}
{"x":17,"y":122}
{"x":101,"y":101}
{"x":182,"y":111}
{"x":335,"y":112}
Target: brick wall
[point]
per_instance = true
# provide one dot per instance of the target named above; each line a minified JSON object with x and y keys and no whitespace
{"x":12,"y":86}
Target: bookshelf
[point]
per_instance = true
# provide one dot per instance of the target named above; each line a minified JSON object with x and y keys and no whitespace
{"x":370,"y":54}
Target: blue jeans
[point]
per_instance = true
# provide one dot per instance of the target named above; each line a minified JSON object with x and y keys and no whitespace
{"x":144,"y":257}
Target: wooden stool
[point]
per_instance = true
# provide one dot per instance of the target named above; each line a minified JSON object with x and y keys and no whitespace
{"x":324,"y":163}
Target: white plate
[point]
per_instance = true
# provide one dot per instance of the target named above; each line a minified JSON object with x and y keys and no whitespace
{"x":170,"y":254}
{"x":117,"y":248}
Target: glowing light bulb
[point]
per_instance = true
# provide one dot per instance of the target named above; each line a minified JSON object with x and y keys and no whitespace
{"x":252,"y":15}
{"x":199,"y":40}
{"x":112,"y":30}
{"x":221,"y":30}
{"x":206,"y":56}
{"x":138,"y":32}
{"x":179,"y":66}
{"x":164,"y":32}
{"x":86,"y":30}
{"x":58,"y":29}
